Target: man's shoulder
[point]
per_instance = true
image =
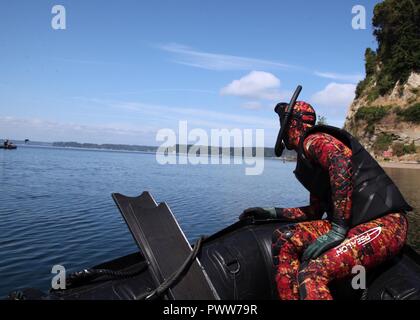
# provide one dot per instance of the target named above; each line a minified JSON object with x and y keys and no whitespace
{"x":317,"y":138}
{"x":317,"y":141}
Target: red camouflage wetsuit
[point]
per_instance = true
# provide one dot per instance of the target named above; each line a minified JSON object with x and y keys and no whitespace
{"x":367,"y":244}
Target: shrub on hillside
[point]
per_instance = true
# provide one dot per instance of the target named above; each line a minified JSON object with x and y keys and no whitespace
{"x":372,"y":114}
{"x":398,"y":149}
{"x":382,"y":143}
{"x":411,"y":114}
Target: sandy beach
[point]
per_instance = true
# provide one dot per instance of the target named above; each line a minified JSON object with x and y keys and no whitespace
{"x":401,"y":165}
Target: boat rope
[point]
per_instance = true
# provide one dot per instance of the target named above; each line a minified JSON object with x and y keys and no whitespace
{"x":87,"y":275}
{"x":176,"y":276}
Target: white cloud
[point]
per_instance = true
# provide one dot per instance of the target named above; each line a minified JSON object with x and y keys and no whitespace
{"x":335,"y":95}
{"x":252,"y":105}
{"x":156,"y":116}
{"x":196,"y":116}
{"x":221,"y":62}
{"x":136,"y":131}
{"x":50,"y":131}
{"x":215,"y":61}
{"x":255,"y":85}
{"x":168,"y":115}
{"x":354,"y":78}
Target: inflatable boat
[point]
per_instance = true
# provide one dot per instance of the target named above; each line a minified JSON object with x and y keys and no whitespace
{"x":233,"y":264}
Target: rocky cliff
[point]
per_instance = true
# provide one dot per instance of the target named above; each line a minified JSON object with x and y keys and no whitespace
{"x":385,"y":115}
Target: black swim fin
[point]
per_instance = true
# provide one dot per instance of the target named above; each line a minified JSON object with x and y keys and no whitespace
{"x":164,"y":245}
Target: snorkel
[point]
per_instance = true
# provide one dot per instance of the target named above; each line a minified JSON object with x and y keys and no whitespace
{"x":280,"y":145}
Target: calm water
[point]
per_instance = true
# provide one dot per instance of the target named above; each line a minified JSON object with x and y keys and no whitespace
{"x":56,"y":208}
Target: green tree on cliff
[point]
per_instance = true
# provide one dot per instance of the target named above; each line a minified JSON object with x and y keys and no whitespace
{"x":397,"y":29}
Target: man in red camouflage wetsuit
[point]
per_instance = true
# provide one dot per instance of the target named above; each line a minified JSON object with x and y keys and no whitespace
{"x":309,"y":254}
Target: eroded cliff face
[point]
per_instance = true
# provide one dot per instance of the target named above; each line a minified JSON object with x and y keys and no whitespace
{"x":388,"y":126}
{"x":385,"y":115}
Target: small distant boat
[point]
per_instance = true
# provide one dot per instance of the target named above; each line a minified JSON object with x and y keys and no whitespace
{"x":8,"y":147}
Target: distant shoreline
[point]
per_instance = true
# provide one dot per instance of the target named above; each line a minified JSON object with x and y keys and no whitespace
{"x":50,"y":146}
{"x":147,"y":150}
{"x":244,"y":152}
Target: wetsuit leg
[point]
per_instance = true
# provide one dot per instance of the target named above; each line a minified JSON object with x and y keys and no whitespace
{"x":288,"y":244}
{"x":368,"y":245}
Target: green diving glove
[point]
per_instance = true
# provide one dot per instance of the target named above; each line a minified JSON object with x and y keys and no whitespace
{"x":329,"y":240}
{"x":259,"y":214}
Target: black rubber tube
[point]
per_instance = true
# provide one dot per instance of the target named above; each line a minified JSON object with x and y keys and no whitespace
{"x":87,"y":275}
{"x":176,"y":276}
{"x":278,"y":149}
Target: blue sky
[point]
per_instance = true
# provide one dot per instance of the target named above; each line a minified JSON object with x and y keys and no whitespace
{"x":124,"y":69}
